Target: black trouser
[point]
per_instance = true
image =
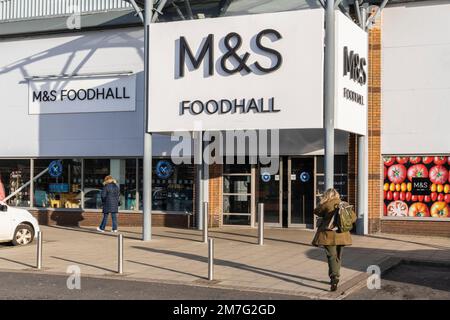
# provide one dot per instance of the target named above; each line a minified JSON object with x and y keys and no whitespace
{"x":334,"y":256}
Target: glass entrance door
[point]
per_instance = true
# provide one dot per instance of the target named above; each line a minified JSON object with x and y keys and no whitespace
{"x":301,"y":192}
{"x":269,"y":191}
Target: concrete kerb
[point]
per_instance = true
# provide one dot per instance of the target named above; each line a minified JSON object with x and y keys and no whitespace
{"x":387,"y":264}
{"x":203,"y":283}
{"x":360,"y":280}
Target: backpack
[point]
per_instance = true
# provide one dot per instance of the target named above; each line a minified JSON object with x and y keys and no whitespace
{"x":343,"y":217}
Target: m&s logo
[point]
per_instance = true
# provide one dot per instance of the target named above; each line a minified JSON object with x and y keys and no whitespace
{"x":232,"y":42}
{"x":354,"y":65}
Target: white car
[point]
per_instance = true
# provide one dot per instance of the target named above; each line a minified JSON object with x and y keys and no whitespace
{"x":17,"y":225}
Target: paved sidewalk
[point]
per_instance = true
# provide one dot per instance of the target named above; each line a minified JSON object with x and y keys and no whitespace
{"x":287,"y":263}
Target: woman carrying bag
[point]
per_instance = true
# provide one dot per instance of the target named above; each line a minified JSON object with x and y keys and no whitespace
{"x":336,"y":219}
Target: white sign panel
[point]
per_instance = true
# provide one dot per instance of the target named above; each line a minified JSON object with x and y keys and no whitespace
{"x":82,"y":95}
{"x":247,"y":72}
{"x":351,"y":76}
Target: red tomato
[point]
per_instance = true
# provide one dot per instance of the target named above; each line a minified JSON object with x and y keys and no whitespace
{"x":448,"y":161}
{"x":402,"y":160}
{"x":439,"y":210}
{"x":385,"y":210}
{"x":414,"y":198}
{"x":417,"y":171}
{"x":397,"y":173}
{"x":415,"y":160}
{"x":427,"y":198}
{"x":440,"y":197}
{"x":438,"y":174}
{"x":385,"y":172}
{"x":434,"y":196}
{"x":389,"y":161}
{"x":384,"y":194}
{"x":447,"y":198}
{"x":389,"y":195}
{"x":396,"y":195}
{"x":408,"y":196}
{"x":439,"y":160}
{"x":418,"y":209}
{"x":427,"y":160}
{"x":402,"y":196}
{"x":420,"y":198}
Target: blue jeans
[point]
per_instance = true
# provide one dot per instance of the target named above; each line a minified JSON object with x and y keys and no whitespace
{"x":105,"y":220}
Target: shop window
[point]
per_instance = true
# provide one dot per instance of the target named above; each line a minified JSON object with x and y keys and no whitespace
{"x":340,"y":176}
{"x":402,"y":199}
{"x":123,"y":170}
{"x":237,"y":194}
{"x":172,"y":186}
{"x":95,"y":170}
{"x":13,"y":175}
{"x":60,"y":187}
{"x":236,"y":184}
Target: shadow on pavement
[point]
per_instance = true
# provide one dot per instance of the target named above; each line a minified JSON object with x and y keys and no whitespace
{"x":18,"y":262}
{"x":84,"y":264}
{"x":241,"y":266}
{"x":163,"y":268}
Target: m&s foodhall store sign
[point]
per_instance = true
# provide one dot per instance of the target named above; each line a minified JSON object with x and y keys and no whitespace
{"x":261,"y":71}
{"x":82,"y":95}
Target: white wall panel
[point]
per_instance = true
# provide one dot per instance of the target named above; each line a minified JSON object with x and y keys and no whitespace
{"x":415,"y":78}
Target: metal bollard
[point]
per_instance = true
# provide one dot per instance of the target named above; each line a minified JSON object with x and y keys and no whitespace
{"x":39,"y":251}
{"x":205,"y":222}
{"x":120,"y":254}
{"x":210,"y":259}
{"x":261,"y":224}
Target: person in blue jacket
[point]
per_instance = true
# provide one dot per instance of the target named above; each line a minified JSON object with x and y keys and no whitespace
{"x":110,"y":200}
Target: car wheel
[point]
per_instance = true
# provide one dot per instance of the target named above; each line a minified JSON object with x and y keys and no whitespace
{"x":23,"y":235}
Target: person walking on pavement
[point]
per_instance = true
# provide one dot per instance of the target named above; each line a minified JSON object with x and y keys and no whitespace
{"x":110,"y":200}
{"x":329,"y":236}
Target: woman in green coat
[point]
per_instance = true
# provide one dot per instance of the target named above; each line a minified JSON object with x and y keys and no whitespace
{"x":328,"y":236}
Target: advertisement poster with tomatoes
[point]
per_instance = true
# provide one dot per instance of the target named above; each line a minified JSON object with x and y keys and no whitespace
{"x":399,"y":172}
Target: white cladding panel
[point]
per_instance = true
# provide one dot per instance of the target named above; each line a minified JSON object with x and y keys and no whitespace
{"x":296,"y":87}
{"x":103,"y":134}
{"x":351,"y":86}
{"x":415,"y":78}
{"x":78,"y":134}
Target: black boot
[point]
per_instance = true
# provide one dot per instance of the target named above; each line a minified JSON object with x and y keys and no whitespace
{"x":334,"y":283}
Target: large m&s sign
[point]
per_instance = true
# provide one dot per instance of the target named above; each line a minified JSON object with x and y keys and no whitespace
{"x":248,"y":72}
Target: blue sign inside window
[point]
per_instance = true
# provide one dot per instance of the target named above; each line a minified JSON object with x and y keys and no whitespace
{"x":305,"y":176}
{"x":55,"y":168}
{"x":265,"y":177}
{"x":164,"y":169}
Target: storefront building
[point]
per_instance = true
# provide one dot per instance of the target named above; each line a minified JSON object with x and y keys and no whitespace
{"x":97,"y":129}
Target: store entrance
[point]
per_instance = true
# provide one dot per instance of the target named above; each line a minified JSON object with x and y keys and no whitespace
{"x":288,"y":195}
{"x":300,"y":184}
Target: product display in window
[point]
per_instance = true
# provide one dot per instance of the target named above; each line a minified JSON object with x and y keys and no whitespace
{"x":399,"y":197}
{"x":60,"y":187}
{"x":13,"y":175}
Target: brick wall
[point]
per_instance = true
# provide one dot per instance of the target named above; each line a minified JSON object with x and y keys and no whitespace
{"x":374,"y":128}
{"x":215,"y":195}
{"x":84,"y":219}
{"x":421,"y":227}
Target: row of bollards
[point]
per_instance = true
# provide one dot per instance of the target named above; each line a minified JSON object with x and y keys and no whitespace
{"x":205,"y":240}
{"x":119,"y":252}
{"x":211,"y":241}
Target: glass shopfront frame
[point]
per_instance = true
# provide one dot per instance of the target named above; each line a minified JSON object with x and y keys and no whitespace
{"x":83,"y":191}
{"x":282,"y":189}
